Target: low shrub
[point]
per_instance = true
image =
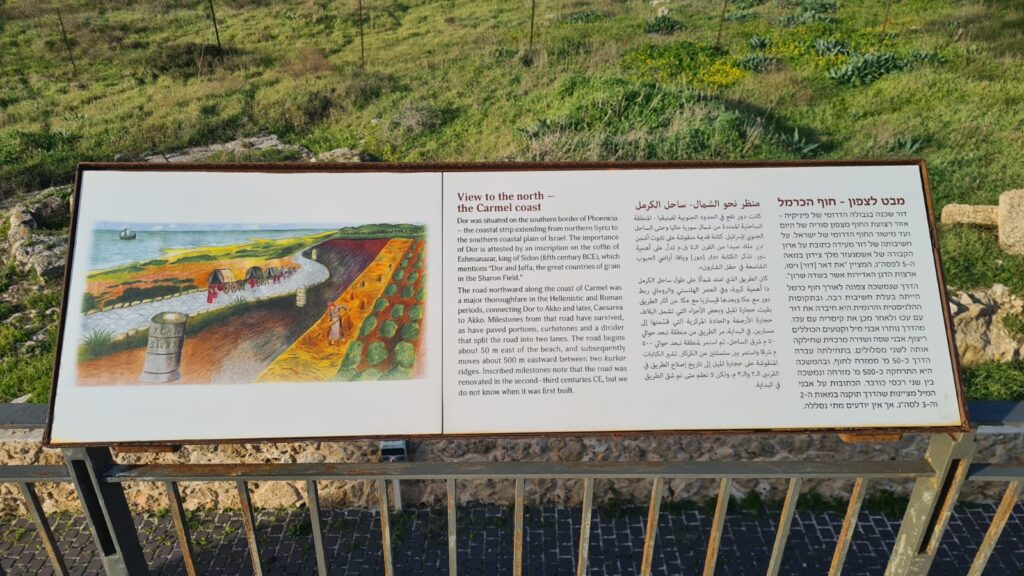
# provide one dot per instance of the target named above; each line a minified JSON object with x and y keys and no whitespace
{"x":405,"y":354}
{"x":376,"y":353}
{"x":368,"y":325}
{"x":759,"y":43}
{"x":410,"y":332}
{"x":370,"y":375}
{"x":353,"y":355}
{"x":756,"y":63}
{"x":864,"y":69}
{"x":397,"y":311}
{"x":829,"y":47}
{"x":668,"y":61}
{"x":388,"y":328}
{"x":97,"y":343}
{"x":663,"y":25}
{"x":584,"y":17}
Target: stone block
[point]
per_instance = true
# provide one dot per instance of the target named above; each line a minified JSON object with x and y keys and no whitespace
{"x":1011,"y":221}
{"x":967,"y":214}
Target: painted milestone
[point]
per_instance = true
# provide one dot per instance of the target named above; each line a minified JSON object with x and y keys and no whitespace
{"x":233,"y":304}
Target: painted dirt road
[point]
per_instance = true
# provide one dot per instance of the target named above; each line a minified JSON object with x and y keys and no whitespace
{"x":122,"y":320}
{"x":238,"y":348}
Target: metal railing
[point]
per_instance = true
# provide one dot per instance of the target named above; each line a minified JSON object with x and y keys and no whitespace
{"x":938,"y":478}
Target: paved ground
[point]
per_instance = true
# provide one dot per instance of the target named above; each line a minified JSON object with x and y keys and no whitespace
{"x":485,"y":543}
{"x":121,"y":320}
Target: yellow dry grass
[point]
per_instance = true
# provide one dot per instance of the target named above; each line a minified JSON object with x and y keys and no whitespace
{"x":312,"y":358}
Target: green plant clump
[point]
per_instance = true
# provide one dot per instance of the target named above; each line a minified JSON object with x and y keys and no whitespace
{"x":663,"y":25}
{"x":405,"y":354}
{"x":376,"y":353}
{"x":353,"y":355}
{"x":388,"y":328}
{"x":410,"y":332}
{"x":368,"y":325}
{"x":864,"y":69}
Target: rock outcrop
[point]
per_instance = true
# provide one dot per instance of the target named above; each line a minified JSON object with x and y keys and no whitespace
{"x":36,"y":242}
{"x":981,"y":320}
{"x":232,"y":148}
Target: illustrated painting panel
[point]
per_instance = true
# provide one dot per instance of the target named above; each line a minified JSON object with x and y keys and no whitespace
{"x":244,"y":303}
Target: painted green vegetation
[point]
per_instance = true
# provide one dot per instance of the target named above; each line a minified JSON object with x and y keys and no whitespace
{"x":389,"y":338}
{"x":606,"y":79}
{"x":369,"y":231}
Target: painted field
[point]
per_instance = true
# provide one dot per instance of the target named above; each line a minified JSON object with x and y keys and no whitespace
{"x":313,"y":357}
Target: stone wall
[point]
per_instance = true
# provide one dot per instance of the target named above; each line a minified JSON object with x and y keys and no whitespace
{"x":25,"y":448}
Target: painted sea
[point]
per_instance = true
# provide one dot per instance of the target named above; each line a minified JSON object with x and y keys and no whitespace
{"x":110,"y":251}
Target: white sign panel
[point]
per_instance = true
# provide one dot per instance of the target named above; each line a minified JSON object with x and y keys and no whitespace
{"x":310,"y":302}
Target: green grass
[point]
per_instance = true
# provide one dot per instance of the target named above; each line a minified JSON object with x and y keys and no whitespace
{"x":994,"y":381}
{"x":971,"y":258}
{"x":452,"y":81}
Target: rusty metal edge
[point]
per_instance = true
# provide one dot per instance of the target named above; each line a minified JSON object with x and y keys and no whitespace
{"x":513,"y":470}
{"x":32,"y":473}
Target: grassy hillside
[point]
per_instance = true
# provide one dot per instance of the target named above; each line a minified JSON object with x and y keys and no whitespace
{"x":606,"y":79}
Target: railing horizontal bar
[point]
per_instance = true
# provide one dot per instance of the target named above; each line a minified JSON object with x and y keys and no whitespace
{"x":22,"y":473}
{"x":512,"y":470}
{"x":995,"y":473}
{"x":996,"y":413}
{"x":982,"y":412}
{"x":22,"y":416}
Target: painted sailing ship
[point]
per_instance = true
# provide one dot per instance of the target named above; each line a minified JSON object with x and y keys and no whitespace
{"x":127,"y":234}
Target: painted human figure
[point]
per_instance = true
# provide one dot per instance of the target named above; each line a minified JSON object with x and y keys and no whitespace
{"x":334,"y":321}
{"x":211,"y":294}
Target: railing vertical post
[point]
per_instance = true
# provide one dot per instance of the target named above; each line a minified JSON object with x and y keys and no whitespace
{"x":385,"y":526}
{"x":647,"y":563}
{"x":849,"y":526}
{"x":396,"y":494}
{"x":181,"y":527}
{"x":785,"y":521}
{"x":931,"y":504}
{"x":313,"y":495}
{"x":453,"y":551}
{"x":106,"y":511}
{"x":585,"y":521}
{"x":249,"y":523}
{"x":715,"y":539}
{"x":35,"y":510}
{"x":1010,"y":498}
{"x":517,"y":529}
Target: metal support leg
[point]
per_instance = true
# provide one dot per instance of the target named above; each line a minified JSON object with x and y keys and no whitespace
{"x":931,"y":504}
{"x":106,"y":510}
